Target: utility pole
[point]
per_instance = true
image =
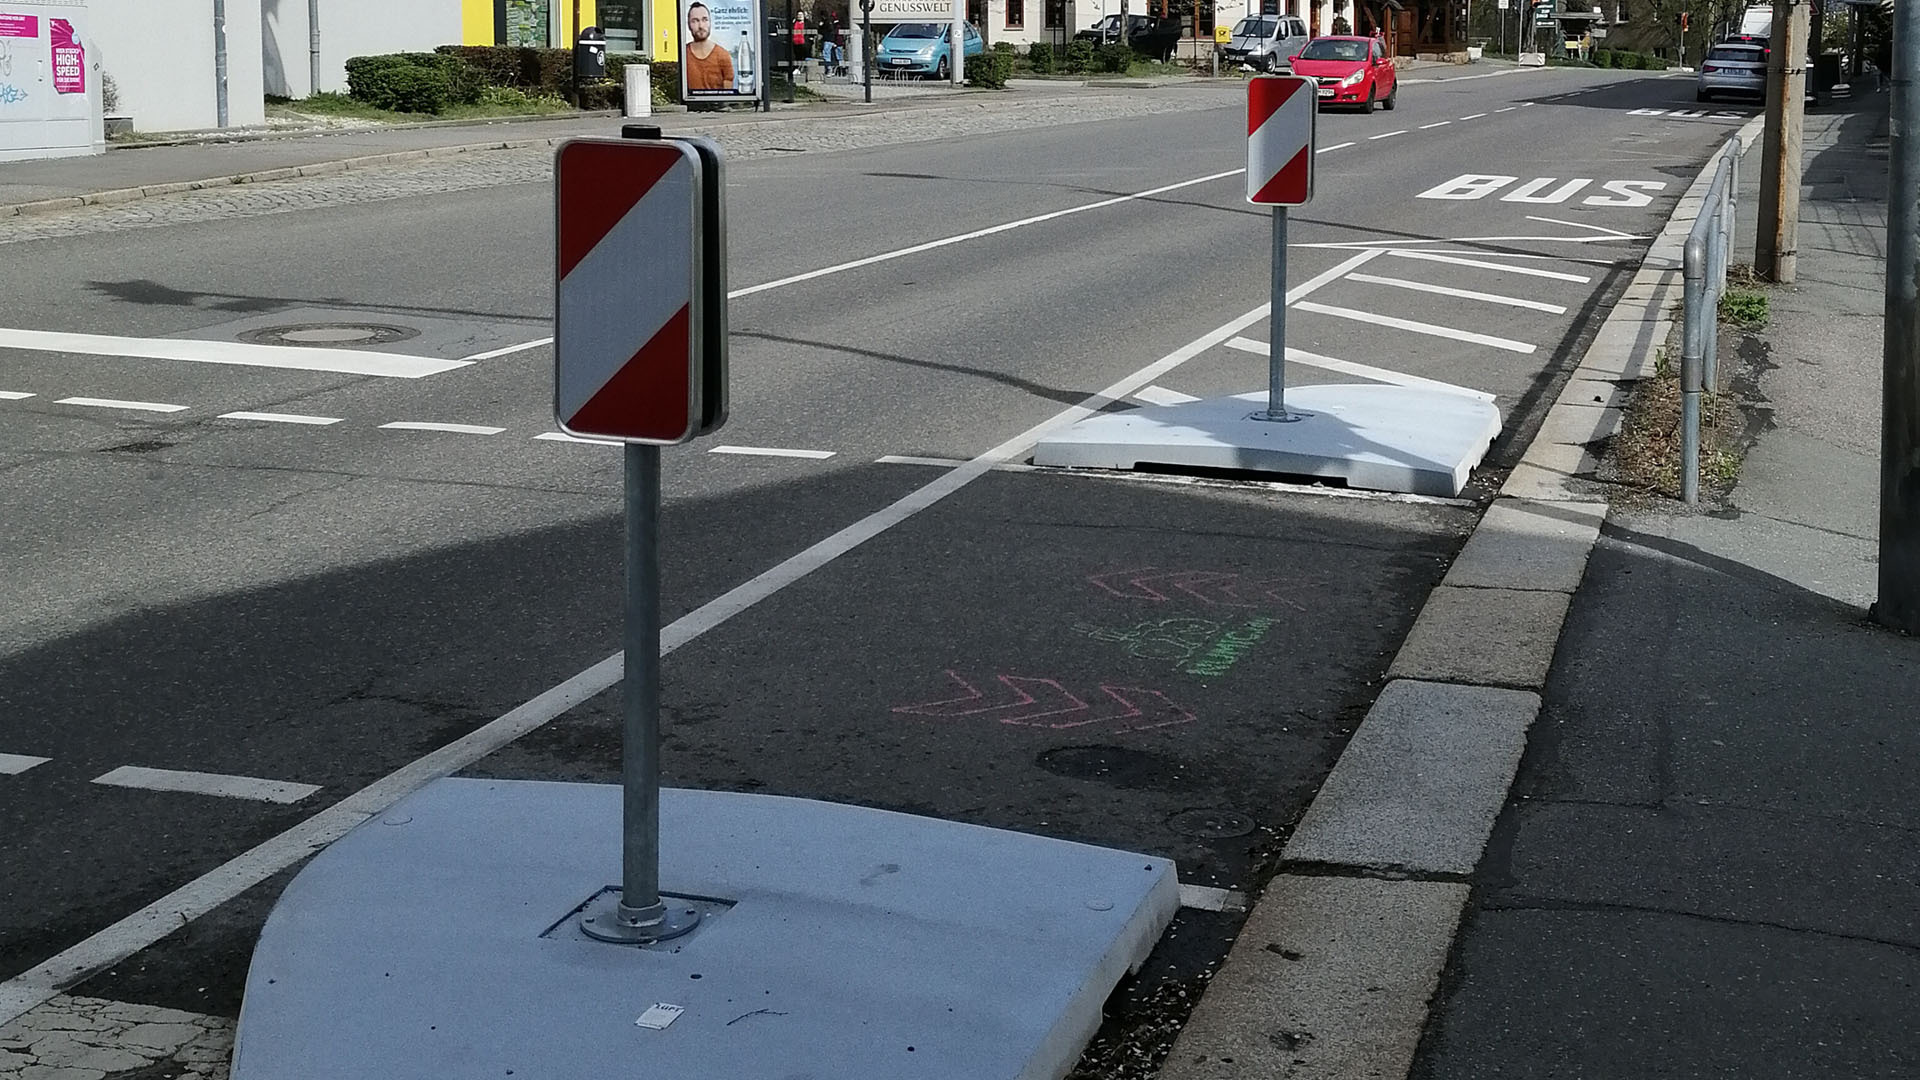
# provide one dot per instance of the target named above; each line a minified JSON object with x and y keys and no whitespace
{"x":1898,"y":602}
{"x":1776,"y":254}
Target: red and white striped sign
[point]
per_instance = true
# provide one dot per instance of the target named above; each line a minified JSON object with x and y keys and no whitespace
{"x":1280,"y":117}
{"x":626,"y":349}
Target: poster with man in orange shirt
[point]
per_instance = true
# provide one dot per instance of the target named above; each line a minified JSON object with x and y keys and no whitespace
{"x":721,"y":61}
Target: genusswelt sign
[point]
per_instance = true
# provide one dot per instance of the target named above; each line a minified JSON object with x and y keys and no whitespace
{"x":912,"y":10}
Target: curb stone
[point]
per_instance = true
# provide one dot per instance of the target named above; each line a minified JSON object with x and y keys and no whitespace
{"x":1331,"y":976}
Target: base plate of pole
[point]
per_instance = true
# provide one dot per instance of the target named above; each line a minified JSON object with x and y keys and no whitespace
{"x":1374,"y":437}
{"x":853,"y":943}
{"x":607,"y":918}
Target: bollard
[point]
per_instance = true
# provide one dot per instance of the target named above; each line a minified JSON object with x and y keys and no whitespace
{"x":639,"y":88}
{"x":1693,"y":342}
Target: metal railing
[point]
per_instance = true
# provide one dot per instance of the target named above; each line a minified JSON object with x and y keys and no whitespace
{"x":1708,"y":248}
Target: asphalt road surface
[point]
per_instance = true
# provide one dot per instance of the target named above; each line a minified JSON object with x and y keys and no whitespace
{"x":309,"y":604}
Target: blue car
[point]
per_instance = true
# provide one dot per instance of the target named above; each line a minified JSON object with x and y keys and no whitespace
{"x":921,"y":48}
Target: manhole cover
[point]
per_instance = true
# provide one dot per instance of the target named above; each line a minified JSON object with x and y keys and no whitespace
{"x":339,"y":335}
{"x":1210,"y":824}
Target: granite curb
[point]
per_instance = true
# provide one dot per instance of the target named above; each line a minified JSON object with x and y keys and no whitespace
{"x":1332,"y":975}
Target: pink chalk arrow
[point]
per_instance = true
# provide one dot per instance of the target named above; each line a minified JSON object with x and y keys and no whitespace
{"x":1151,"y":583}
{"x":1024,"y":701}
{"x":1133,"y":708}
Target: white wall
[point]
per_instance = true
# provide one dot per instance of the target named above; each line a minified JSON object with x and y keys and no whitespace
{"x":348,"y":28}
{"x":160,"y":55}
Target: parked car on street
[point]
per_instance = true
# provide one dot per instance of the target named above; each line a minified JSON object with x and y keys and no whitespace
{"x":1265,"y":42}
{"x":1150,"y":35}
{"x":922,"y":48}
{"x":1349,"y":71}
{"x":1733,"y":69}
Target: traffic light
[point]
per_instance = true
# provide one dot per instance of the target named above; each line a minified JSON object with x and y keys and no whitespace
{"x":1683,"y":22}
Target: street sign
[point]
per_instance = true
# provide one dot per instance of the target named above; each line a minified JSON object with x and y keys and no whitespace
{"x":1280,"y":118}
{"x":1222,"y":34}
{"x":630,"y":304}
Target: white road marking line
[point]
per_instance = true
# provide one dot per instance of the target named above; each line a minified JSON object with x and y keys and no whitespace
{"x":1348,"y":367}
{"x":1463,"y":294}
{"x":1509,"y":108}
{"x":1209,"y":898}
{"x":164,"y":916}
{"x":508,"y":351}
{"x":1335,"y":146}
{"x":1386,"y":134}
{"x":1475,"y":116}
{"x":974,"y":235}
{"x":13,"y":395}
{"x":1616,"y":233}
{"x":1160,"y":395}
{"x":111,"y":403}
{"x":1528,"y":104}
{"x":281,"y":418}
{"x":220,"y":785}
{"x":456,"y":429}
{"x":15,"y":764}
{"x":289,"y":357}
{"x":1412,"y":327}
{"x":950,"y":463}
{"x":773,"y":451}
{"x":1430,"y":127}
{"x":561,"y":436}
{"x":1456,"y":260}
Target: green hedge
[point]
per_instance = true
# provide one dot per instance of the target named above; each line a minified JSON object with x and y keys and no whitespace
{"x":413,"y":82}
{"x":1113,"y":58}
{"x":462,"y":74}
{"x":991,"y":68}
{"x":1079,"y":57}
{"x":1040,"y":58}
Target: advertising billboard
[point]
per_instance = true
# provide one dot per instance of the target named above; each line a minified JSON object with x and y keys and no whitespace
{"x":720,"y":50}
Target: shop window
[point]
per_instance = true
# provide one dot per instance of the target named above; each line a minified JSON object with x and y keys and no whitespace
{"x":1055,"y":15}
{"x":1016,"y":14}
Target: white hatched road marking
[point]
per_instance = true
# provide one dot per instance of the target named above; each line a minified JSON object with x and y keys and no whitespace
{"x":220,"y":785}
{"x":1413,"y":327}
{"x":1463,"y":294}
{"x":167,"y":914}
{"x":1160,"y":395}
{"x":13,"y":395}
{"x":1386,"y":134}
{"x":772,"y":451}
{"x":1456,"y":260}
{"x":15,"y":764}
{"x":455,"y":429}
{"x":561,"y":436}
{"x":289,"y":357}
{"x":1348,"y":367}
{"x":112,"y":403}
{"x":281,"y":418}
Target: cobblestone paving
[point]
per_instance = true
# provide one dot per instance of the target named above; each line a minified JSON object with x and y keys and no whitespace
{"x":77,"y":1038}
{"x":497,"y":168}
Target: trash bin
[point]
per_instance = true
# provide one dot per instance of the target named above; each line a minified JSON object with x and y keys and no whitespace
{"x":590,"y":54}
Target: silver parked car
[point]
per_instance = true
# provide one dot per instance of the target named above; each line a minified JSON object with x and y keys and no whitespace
{"x":1265,"y":42}
{"x":1733,"y":69}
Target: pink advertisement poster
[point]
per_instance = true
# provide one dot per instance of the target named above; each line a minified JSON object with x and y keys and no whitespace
{"x":69,"y":59}
{"x":19,"y":25}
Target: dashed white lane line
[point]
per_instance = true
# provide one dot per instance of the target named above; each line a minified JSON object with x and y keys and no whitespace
{"x":112,"y":403}
{"x":1475,"y":116}
{"x":281,"y":418}
{"x":220,"y":785}
{"x":1386,"y":135}
{"x":1335,"y":146}
{"x":773,"y":451}
{"x":1509,"y":108}
{"x":13,"y":395}
{"x":1412,"y":327}
{"x":1348,"y":367}
{"x":289,"y":357}
{"x":1160,"y":395}
{"x":1527,"y":104}
{"x":1430,"y":127}
{"x":455,"y":429}
{"x":15,"y":764}
{"x":1460,"y":294}
{"x":561,"y":436}
{"x":1528,"y":271}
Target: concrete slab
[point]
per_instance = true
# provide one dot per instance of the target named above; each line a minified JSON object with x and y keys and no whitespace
{"x":1328,"y":980}
{"x":1380,"y":438}
{"x":860,"y":943}
{"x":1602,"y":393}
{"x":1523,"y":544}
{"x":1490,"y":637}
{"x":1420,"y":784}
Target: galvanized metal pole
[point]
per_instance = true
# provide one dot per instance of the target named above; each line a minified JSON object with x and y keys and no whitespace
{"x":1277,"y":351}
{"x":866,"y":52}
{"x":220,"y":62}
{"x":640,"y":694}
{"x":1693,"y":348}
{"x":313,"y":47}
{"x":1898,"y":602}
{"x":957,"y":45}
{"x":1776,"y":255}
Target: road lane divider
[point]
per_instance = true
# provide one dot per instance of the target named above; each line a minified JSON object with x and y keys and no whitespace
{"x":116,"y":403}
{"x":1459,"y":294}
{"x":1348,"y":367}
{"x":773,"y":451}
{"x":218,"y":785}
{"x":13,"y":395}
{"x":1483,"y":264}
{"x":282,"y":418}
{"x":15,"y":764}
{"x":451,"y":429}
{"x":237,"y":353}
{"x":1412,"y":327}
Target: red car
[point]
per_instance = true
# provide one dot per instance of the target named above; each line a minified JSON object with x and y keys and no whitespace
{"x":1349,"y":71}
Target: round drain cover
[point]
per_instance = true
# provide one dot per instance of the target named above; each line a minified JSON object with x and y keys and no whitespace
{"x":325,"y":334}
{"x":1210,"y":824}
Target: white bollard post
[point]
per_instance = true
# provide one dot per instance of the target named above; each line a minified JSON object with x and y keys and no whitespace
{"x":639,"y":89}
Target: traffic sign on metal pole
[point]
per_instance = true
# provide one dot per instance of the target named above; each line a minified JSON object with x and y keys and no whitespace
{"x":640,"y":357}
{"x":1281,"y":113}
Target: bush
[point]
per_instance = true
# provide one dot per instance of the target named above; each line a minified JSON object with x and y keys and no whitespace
{"x":1113,"y":58}
{"x":990,"y":69}
{"x":1079,"y":57}
{"x":413,"y":82}
{"x":1040,"y":58}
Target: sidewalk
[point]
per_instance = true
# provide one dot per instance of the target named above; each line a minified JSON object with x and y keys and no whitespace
{"x":1710,"y":864}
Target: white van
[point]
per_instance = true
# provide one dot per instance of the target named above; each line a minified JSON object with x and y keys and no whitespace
{"x":1757,"y":21}
{"x":1265,"y":42}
